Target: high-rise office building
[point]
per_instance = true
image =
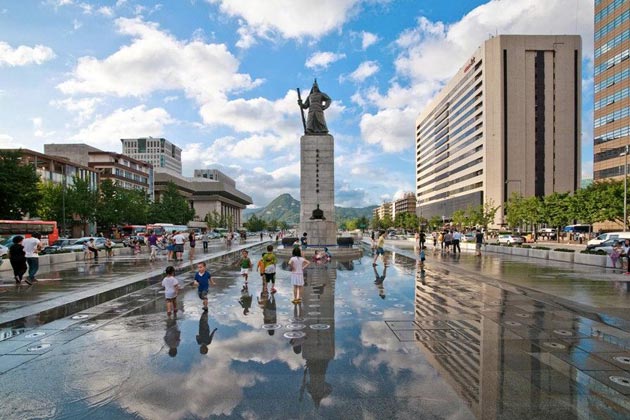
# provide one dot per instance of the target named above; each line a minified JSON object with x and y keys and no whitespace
{"x":159,"y":152}
{"x":612,"y":88}
{"x":507,"y":122}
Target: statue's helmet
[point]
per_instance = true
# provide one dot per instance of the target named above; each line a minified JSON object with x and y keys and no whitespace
{"x":315,"y":87}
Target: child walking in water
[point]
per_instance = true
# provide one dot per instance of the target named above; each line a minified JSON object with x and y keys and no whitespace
{"x":245,"y":264}
{"x":297,"y":264}
{"x":171,"y":286}
{"x":203,"y":281}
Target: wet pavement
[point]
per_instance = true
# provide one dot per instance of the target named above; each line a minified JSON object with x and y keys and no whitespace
{"x":448,"y":340}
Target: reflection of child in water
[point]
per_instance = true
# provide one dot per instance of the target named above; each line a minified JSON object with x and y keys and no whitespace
{"x":296,"y":343}
{"x":268,"y":305}
{"x":379,"y":281}
{"x":246,"y":300}
{"x":172,"y":337}
{"x":204,"y":339}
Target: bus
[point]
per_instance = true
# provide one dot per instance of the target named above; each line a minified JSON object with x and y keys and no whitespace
{"x":48,"y":230}
{"x":133,"y":230}
{"x":167,"y":228}
{"x":578,"y":228}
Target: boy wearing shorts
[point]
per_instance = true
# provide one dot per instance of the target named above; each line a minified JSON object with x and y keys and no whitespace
{"x":171,"y":286}
{"x":203,"y":281}
{"x":245,"y":264}
{"x":269,"y":262}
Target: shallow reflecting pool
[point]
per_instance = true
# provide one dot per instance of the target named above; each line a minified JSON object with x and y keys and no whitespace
{"x":402,"y":341}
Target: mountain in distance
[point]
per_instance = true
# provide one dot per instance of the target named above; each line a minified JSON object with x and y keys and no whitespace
{"x":285,"y":208}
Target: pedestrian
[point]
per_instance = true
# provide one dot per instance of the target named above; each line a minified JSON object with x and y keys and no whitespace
{"x":457,"y":237}
{"x":203,"y":281}
{"x":423,"y":257}
{"x":32,"y":246}
{"x":92,"y":249}
{"x":304,"y":241}
{"x":626,"y":251}
{"x":478,"y":242}
{"x":261,"y":270}
{"x":153,"y":244}
{"x":448,"y":241}
{"x":191,"y":243}
{"x":109,"y":248}
{"x":204,"y":239}
{"x":170,"y":247}
{"x":441,"y":240}
{"x":297,"y":264}
{"x":246,"y":265}
{"x":379,"y":248}
{"x":85,"y":247}
{"x":204,"y":338}
{"x":615,"y":253}
{"x":17,"y":258}
{"x":435,"y":239}
{"x":261,"y":236}
{"x":171,"y":288}
{"x":179,"y":239}
{"x":423,"y":239}
{"x":270,"y":261}
{"x":136,"y":246}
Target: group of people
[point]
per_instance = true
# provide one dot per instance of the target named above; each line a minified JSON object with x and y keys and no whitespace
{"x":23,"y":256}
{"x":619,"y":252}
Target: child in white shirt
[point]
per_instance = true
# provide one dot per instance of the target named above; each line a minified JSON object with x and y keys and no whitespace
{"x":297,"y":264}
{"x":171,"y":287}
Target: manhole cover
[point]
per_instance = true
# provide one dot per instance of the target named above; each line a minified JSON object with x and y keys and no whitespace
{"x":296,"y":326}
{"x":565,"y":333}
{"x":513,"y":323}
{"x":620,"y":380}
{"x":399,"y":305}
{"x":35,"y":334}
{"x":271,"y":326}
{"x":294,"y":334}
{"x":376,"y":313}
{"x":622,"y":359}
{"x":38,"y":347}
{"x":80,"y":316}
{"x":523,"y":315}
{"x":553,"y":345}
{"x":320,"y":327}
{"x":314,"y":313}
{"x":230,"y":305}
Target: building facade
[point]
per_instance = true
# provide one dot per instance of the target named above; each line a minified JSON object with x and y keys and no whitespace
{"x":206,"y":195}
{"x":159,"y":152}
{"x":612,"y":88}
{"x":123,"y":171}
{"x":382,"y":211}
{"x":405,"y":204}
{"x":508,"y":122}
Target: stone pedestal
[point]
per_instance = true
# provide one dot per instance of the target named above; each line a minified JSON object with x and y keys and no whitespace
{"x":317,"y":187}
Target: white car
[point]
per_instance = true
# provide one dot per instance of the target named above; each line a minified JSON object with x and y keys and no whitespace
{"x":620,"y":236}
{"x":78,"y":245}
{"x":511,"y":239}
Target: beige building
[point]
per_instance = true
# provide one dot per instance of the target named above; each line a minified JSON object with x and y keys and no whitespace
{"x":611,"y":119}
{"x":159,"y":152}
{"x":405,"y":204}
{"x":383,"y":210}
{"x":508,"y":122}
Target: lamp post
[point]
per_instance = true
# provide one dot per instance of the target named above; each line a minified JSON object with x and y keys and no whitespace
{"x":625,"y":189}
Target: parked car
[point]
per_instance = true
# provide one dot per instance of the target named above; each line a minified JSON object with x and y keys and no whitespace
{"x":3,"y":251}
{"x":468,"y":237}
{"x":620,"y":236}
{"x":58,"y":245}
{"x":606,"y":246}
{"x":549,"y":233}
{"x":511,"y":239}
{"x":78,"y":244}
{"x":128,"y":241}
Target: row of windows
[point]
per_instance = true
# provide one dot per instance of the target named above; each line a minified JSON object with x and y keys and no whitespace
{"x":453,"y":192}
{"x":612,"y":43}
{"x":612,"y":135}
{"x":612,"y":24}
{"x":609,"y":154}
{"x":613,"y":116}
{"x":612,"y":80}
{"x":454,"y":171}
{"x":608,"y":9}
{"x":447,"y":184}
{"x":129,"y":175}
{"x":611,"y":99}
{"x":611,"y":62}
{"x":609,"y":172}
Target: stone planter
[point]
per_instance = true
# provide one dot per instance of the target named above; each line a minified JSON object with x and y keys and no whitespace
{"x":539,"y":253}
{"x":491,"y":248}
{"x":590,"y":259}
{"x":521,"y":252}
{"x":561,"y":256}
{"x":62,"y":258}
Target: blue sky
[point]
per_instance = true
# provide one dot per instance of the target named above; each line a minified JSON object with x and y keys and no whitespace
{"x":218,"y":78}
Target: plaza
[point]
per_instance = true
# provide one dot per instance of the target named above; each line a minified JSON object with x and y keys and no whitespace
{"x":461,"y":337}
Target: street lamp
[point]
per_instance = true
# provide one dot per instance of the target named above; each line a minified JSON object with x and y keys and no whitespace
{"x":625,"y":184}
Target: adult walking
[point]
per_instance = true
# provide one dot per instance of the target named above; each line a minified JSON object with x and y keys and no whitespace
{"x":192,"y":243}
{"x":179,"y":239}
{"x":423,"y":239}
{"x":457,"y":237}
{"x":448,"y":241}
{"x":626,"y":251}
{"x":32,"y":246}
{"x":478,"y":242}
{"x":153,"y":245}
{"x":17,"y":258}
{"x":204,"y":239}
{"x":380,"y":244}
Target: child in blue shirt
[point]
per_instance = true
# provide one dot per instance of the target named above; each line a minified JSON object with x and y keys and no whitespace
{"x":203,"y":281}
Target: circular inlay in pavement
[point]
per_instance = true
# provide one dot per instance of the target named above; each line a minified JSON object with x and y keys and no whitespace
{"x":220,"y":294}
{"x":620,"y":380}
{"x":408,"y":312}
{"x":294,"y":334}
{"x":283,"y":313}
{"x":143,"y":300}
{"x":271,"y":326}
{"x":35,"y":334}
{"x":377,"y":312}
{"x":399,"y":305}
{"x":232,"y":286}
{"x":296,"y":320}
{"x":345,"y":313}
{"x":565,"y":333}
{"x":83,"y":316}
{"x":553,"y":345}
{"x":622,"y":359}
{"x":38,"y":347}
{"x":314,"y":313}
{"x":230,"y":305}
{"x":162,"y":291}
{"x":89,"y":325}
{"x":521,"y":315}
{"x":295,"y":326}
{"x":220,"y":313}
{"x":513,"y":323}
{"x":370,"y":305}
{"x":320,"y":327}
{"x":368,"y":299}
{"x":393,"y":299}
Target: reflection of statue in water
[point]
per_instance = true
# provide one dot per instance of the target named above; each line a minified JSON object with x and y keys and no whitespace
{"x":316,"y":103}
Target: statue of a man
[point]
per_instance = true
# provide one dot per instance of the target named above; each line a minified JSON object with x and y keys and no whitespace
{"x":316,"y":103}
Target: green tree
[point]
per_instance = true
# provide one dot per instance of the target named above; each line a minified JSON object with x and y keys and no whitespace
{"x":556,"y":210}
{"x":18,"y":186}
{"x":483,"y":214}
{"x":351,"y":224}
{"x":435,"y":223}
{"x":172,"y":208}
{"x":363,"y":223}
{"x":255,"y":224}
{"x":386,"y":222}
{"x":82,"y":201}
{"x":50,"y":205}
{"x":460,"y":218}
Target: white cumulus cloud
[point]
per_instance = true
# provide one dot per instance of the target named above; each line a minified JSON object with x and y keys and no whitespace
{"x":323,"y":59}
{"x":364,"y":71}
{"x":367,"y":40}
{"x":24,"y":55}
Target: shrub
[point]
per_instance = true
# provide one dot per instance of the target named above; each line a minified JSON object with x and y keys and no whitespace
{"x":526,"y":246}
{"x":591,"y":252}
{"x":542,"y":248}
{"x":564,"y":250}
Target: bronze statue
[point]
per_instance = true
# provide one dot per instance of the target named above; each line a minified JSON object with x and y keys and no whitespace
{"x":316,"y":103}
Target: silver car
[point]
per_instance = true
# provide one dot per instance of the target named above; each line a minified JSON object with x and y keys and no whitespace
{"x":511,"y":239}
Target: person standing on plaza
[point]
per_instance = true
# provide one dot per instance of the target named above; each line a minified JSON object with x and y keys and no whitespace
{"x":203,"y":279}
{"x":457,"y":237}
{"x":32,"y":246}
{"x":380,"y":250}
{"x":298,"y":264}
{"x":204,"y":239}
{"x":170,"y":247}
{"x":615,"y":253}
{"x":152,"y":240}
{"x":92,"y":249}
{"x":626,"y":251}
{"x":261,"y":236}
{"x":441,"y":240}
{"x":17,"y":258}
{"x":304,"y":241}
{"x":448,"y":241}
{"x":422,"y":239}
{"x":179,"y":239}
{"x":171,"y":287}
{"x":478,"y":242}
{"x":192,"y":243}
{"x":109,"y":248}
{"x":269,"y":262}
{"x":245,"y":265}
